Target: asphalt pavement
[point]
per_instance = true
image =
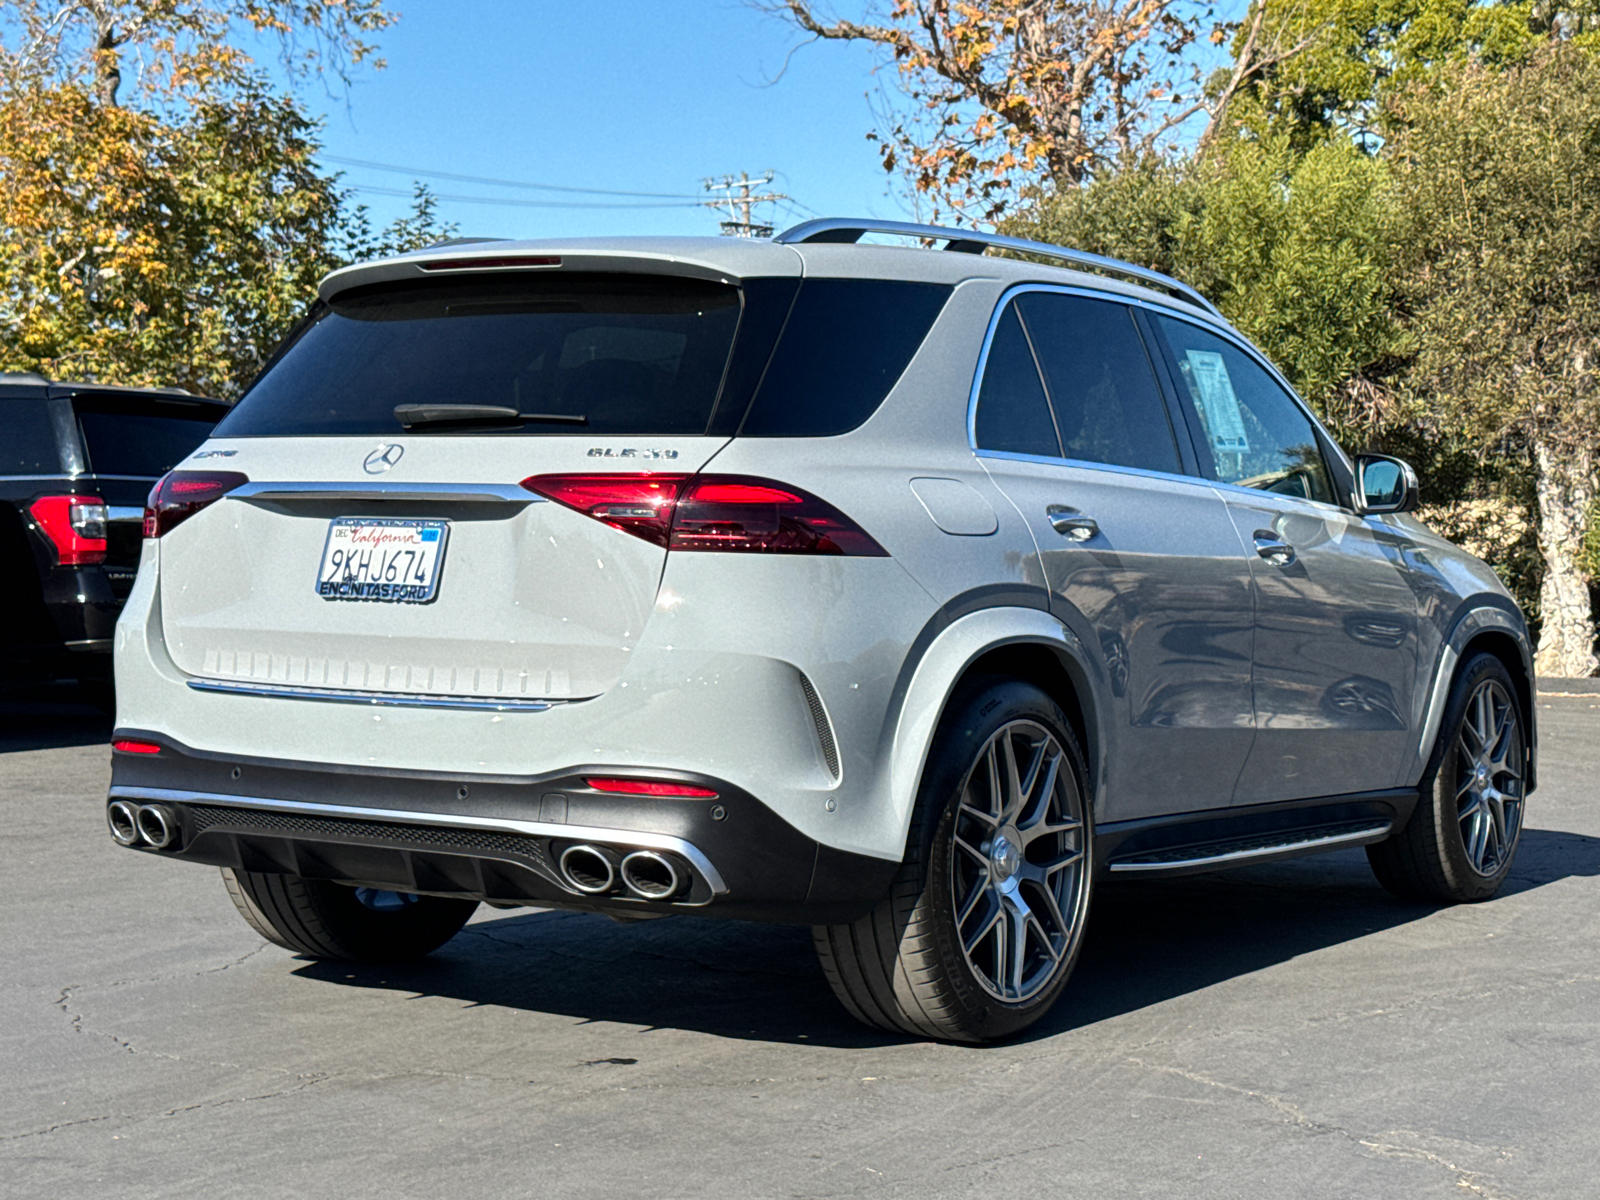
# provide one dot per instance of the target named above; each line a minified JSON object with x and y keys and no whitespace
{"x":1280,"y":1031}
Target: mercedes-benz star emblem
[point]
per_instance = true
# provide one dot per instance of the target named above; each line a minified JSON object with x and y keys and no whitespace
{"x":384,"y":457}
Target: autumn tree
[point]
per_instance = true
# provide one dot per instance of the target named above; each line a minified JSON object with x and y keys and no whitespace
{"x":1499,"y":176}
{"x":166,"y":224}
{"x":1008,"y":94}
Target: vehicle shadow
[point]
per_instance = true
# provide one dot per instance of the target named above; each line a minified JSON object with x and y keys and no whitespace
{"x":1147,"y":942}
{"x":49,"y":716}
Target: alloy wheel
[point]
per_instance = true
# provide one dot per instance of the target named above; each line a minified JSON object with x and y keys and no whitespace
{"x":1017,"y":862}
{"x":1489,"y":790}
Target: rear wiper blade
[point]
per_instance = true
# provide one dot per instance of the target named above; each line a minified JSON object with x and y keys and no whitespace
{"x":411,"y":416}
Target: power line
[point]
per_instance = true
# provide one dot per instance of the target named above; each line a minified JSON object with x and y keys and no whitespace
{"x":514,"y":203}
{"x":511,"y":183}
{"x":740,"y":202}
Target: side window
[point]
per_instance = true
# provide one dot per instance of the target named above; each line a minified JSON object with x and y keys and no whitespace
{"x":1257,"y":434}
{"x":1013,"y":414}
{"x":1102,"y":386}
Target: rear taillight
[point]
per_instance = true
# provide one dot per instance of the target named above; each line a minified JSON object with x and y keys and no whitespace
{"x":711,"y":512}
{"x":75,"y":525}
{"x":178,"y":495}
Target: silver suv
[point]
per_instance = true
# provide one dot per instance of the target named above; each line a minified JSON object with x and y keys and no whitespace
{"x":896,"y":590}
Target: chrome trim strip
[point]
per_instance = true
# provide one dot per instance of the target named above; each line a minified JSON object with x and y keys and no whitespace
{"x":380,"y":699}
{"x":360,"y":489}
{"x":123,"y":512}
{"x":1238,"y":857}
{"x":964,"y":239}
{"x":579,"y":833}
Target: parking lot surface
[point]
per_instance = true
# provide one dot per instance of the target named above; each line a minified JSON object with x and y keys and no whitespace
{"x":1278,"y":1031}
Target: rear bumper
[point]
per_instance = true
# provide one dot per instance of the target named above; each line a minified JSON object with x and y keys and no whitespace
{"x":492,"y":838}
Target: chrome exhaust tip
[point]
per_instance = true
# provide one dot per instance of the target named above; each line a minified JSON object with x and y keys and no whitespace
{"x":158,"y":825}
{"x":652,"y":876}
{"x":588,"y":869}
{"x":123,"y":819}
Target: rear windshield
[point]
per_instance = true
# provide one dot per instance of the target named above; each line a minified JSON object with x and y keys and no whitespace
{"x":595,"y":354}
{"x":141,"y":439}
{"x":626,"y":354}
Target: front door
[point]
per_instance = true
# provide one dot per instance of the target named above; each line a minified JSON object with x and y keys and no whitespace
{"x":1336,"y":621}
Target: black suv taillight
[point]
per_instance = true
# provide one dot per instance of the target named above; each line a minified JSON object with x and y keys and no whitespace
{"x":75,"y":525}
{"x":728,"y":513}
{"x":178,"y":495}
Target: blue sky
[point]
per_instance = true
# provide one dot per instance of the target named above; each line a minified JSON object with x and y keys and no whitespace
{"x":625,"y":95}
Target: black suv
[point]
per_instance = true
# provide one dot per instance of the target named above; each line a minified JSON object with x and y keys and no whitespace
{"x":76,"y":462}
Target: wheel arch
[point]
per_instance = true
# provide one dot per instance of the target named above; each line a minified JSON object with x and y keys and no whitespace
{"x":1486,"y":625}
{"x":1023,"y":643}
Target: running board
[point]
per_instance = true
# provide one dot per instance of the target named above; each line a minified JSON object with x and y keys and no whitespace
{"x":1217,"y":856}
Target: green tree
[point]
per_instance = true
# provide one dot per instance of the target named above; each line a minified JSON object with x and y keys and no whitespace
{"x":1499,"y":179}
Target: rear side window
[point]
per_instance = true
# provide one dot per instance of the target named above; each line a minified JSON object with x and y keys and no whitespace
{"x":1013,"y":414}
{"x":594,"y":354}
{"x":846,"y":344}
{"x":27,"y":442}
{"x":145,"y":440}
{"x":1102,"y":385}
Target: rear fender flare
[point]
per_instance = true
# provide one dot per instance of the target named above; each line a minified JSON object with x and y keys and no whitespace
{"x":940,"y":670}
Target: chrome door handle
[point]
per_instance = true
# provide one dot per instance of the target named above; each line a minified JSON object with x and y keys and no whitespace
{"x":1272,"y":548}
{"x":1072,"y":524}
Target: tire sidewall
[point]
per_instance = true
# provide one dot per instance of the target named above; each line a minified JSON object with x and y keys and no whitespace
{"x":969,"y":724}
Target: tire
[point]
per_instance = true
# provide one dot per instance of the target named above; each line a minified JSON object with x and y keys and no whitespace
{"x":1459,"y":842}
{"x":1000,"y":847}
{"x":332,"y":920}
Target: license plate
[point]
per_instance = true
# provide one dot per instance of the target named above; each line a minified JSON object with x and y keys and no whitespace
{"x":388,"y":559}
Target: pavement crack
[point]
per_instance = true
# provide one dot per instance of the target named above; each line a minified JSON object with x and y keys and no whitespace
{"x":1472,"y":1181}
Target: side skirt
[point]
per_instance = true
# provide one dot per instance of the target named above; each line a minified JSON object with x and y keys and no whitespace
{"x":1215,"y":839}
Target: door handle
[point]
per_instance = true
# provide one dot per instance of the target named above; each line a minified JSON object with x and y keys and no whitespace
{"x":1072,"y":524}
{"x":1273,"y":548}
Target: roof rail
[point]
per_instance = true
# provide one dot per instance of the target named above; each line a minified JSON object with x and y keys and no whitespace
{"x":969,"y":241}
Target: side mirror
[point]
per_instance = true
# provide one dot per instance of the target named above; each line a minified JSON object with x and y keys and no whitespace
{"x":1384,"y":484}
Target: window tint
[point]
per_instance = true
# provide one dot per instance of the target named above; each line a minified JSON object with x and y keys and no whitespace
{"x":27,"y":442}
{"x":1257,"y":435}
{"x":845,"y":346}
{"x":144,"y":443}
{"x":627,"y":353}
{"x":1102,"y":387}
{"x":1013,"y":414}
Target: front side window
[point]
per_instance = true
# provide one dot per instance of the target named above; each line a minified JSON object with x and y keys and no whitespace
{"x":1257,"y":436}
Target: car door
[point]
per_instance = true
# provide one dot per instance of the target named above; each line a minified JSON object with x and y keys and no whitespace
{"x":1140,"y":557}
{"x":1336,"y":619}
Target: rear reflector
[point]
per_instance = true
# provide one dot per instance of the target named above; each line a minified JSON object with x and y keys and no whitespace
{"x":726,"y":513}
{"x":75,"y":525}
{"x":178,"y":495}
{"x":651,"y":787}
{"x":128,"y":747}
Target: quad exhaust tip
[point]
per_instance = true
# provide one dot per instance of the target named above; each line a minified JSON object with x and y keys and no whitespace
{"x":588,"y":869}
{"x":153,"y":825}
{"x":651,"y":876}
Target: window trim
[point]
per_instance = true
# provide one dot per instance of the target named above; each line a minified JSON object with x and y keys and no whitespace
{"x":1188,"y":470}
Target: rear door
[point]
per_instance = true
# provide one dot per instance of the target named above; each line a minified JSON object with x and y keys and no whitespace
{"x":525,"y":598}
{"x":1336,"y":618}
{"x":1140,"y":557}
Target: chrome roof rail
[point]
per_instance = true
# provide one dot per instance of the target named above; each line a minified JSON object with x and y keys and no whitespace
{"x":968,"y":241}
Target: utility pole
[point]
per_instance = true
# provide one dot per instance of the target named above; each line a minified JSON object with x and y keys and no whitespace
{"x":738,"y":202}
